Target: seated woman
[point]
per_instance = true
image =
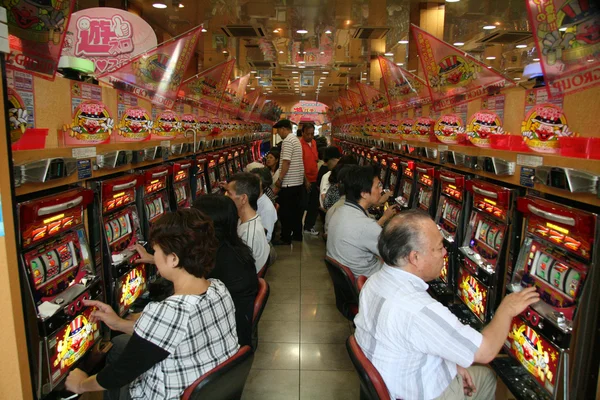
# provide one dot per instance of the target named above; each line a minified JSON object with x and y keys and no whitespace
{"x":234,"y":263}
{"x":175,"y":341}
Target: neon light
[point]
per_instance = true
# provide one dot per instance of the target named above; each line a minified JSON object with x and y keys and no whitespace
{"x":154,"y":181}
{"x":452,"y":186}
{"x":59,"y":216}
{"x":118,"y":195}
{"x":557,"y":228}
{"x":492,"y":202}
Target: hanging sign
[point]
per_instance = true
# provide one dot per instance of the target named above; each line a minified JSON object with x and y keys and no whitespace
{"x":36,"y":33}
{"x":248,"y":103}
{"x":403,"y":88}
{"x":81,"y":91}
{"x":534,"y":97}
{"x":157,"y":74}
{"x":20,"y":107}
{"x":232,"y":97}
{"x":453,"y":76}
{"x":376,"y":101}
{"x":108,"y":37}
{"x":205,"y":89}
{"x":566,"y":35}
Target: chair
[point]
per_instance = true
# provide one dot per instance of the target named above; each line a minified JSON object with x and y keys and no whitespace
{"x":259,"y":306}
{"x":360,"y":282}
{"x":263,"y":270}
{"x":372,"y":386}
{"x":224,"y":382}
{"x":344,"y":286}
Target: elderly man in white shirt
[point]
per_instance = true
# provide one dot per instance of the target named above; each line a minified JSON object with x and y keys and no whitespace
{"x":422,"y":350}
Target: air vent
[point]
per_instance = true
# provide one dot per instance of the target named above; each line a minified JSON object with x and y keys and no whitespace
{"x":337,"y":85}
{"x":262,"y":64}
{"x":371,"y":33}
{"x":243,"y":31}
{"x":346,"y":65}
{"x":505,"y":37}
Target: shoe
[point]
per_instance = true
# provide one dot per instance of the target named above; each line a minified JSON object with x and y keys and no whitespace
{"x":312,"y":232}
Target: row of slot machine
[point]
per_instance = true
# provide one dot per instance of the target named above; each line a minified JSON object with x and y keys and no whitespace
{"x":499,"y":239}
{"x":79,"y":243}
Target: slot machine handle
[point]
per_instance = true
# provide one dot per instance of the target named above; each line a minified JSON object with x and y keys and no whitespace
{"x":447,"y":179}
{"x":60,"y":207}
{"x":125,"y":185}
{"x":483,"y":192}
{"x":159,"y":174}
{"x":423,"y":170}
{"x":551,"y":216}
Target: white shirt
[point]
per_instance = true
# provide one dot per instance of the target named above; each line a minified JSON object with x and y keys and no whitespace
{"x":324,"y":186}
{"x":412,"y":340}
{"x":352,"y":240}
{"x":291,"y":150}
{"x":252,"y":233}
{"x":268,"y":214}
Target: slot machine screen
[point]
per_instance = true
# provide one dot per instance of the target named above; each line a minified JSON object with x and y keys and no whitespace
{"x":450,"y":216}
{"x":393,"y":179}
{"x":54,"y":265}
{"x":487,"y":237}
{"x":407,"y":189}
{"x":537,"y":354}
{"x":425,"y":196}
{"x":71,"y":343}
{"x":131,"y":286}
{"x":473,"y":293}
{"x":201,"y":185}
{"x":556,"y":278}
{"x":180,"y":194}
{"x":154,"y":208}
{"x":118,"y":228}
{"x":222,"y":172}
{"x":444,"y":272}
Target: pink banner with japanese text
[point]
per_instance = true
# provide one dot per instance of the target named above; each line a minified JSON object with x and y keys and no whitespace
{"x":36,"y":32}
{"x":377,"y":103}
{"x":109,"y":37}
{"x":258,"y":108}
{"x":233,"y":95}
{"x":359,"y":105}
{"x":157,"y":74}
{"x":567,"y":35}
{"x":206,"y":89}
{"x":404,"y":89}
{"x":248,"y":102}
{"x":453,"y":76}
{"x":349,"y":111}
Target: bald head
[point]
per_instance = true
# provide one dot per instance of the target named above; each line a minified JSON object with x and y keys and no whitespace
{"x":401,"y":235}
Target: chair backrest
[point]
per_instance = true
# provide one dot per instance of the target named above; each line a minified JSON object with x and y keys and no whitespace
{"x":263,"y":270}
{"x":261,"y":300}
{"x":371,"y":382}
{"x":344,"y":286}
{"x":225,"y":381}
{"x":360,"y":282}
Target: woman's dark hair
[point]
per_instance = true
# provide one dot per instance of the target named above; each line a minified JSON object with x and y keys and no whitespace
{"x":358,"y":180}
{"x":223,"y":212}
{"x":190,"y":235}
{"x":345,"y":160}
{"x":275,"y":152}
{"x":265,"y":177}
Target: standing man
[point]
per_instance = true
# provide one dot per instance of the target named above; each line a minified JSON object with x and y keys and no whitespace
{"x":289,"y":185}
{"x":310,"y":158}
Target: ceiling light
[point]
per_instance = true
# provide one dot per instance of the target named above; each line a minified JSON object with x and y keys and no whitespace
{"x":399,"y":64}
{"x":280,"y":51}
{"x":489,"y":27}
{"x":328,"y":31}
{"x":253,"y":72}
{"x":388,"y":54}
{"x":521,"y":46}
{"x":301,"y":62}
{"x":489,"y":67}
{"x":490,"y":58}
{"x":536,"y":59}
{"x":302,"y":31}
{"x":403,"y":41}
{"x":563,"y":29}
{"x":203,"y":30}
{"x":517,"y":79}
{"x":181,"y":5}
{"x":276,"y":30}
{"x":301,"y":66}
{"x":325,"y":72}
{"x":322,"y":53}
{"x":299,"y":53}
{"x":412,"y":70}
{"x":294,"y":72}
{"x":590,"y":60}
{"x":224,"y":51}
{"x":348,"y":22}
{"x":458,"y":44}
{"x":452,"y":1}
{"x":303,"y":52}
{"x":159,"y":5}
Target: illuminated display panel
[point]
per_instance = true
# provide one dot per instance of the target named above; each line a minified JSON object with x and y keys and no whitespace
{"x":407,"y":189}
{"x":201,"y":185}
{"x":393,"y":176}
{"x":537,"y":355}
{"x":155,"y":185}
{"x":408,"y":172}
{"x":383,"y":170}
{"x":444,"y":272}
{"x":181,"y":175}
{"x":131,"y":286}
{"x":181,"y":194}
{"x":559,"y":235}
{"x":490,"y":207}
{"x":452,"y":191}
{"x":425,"y":196}
{"x":473,"y":294}
{"x":487,"y":237}
{"x":52,"y":226}
{"x":449,"y":216}
{"x":71,"y":343}
{"x":154,"y":207}
{"x":118,"y":200}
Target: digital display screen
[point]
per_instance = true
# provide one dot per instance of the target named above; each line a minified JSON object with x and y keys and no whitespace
{"x":408,"y":172}
{"x":118,"y":200}
{"x":71,"y":343}
{"x":450,"y":215}
{"x":452,"y":191}
{"x":212,"y":175}
{"x":155,"y":185}
{"x":444,"y":272}
{"x":490,"y":207}
{"x":473,"y":293}
{"x":201,"y":185}
{"x":560,"y":236}
{"x":537,"y":355}
{"x":180,"y":175}
{"x":487,"y":237}
{"x":131,"y":286}
{"x":154,"y":208}
{"x":393,"y":180}
{"x":407,"y":189}
{"x":425,"y":196}
{"x":52,"y":226}
{"x":180,"y":194}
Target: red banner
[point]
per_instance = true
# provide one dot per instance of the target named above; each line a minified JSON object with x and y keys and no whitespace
{"x":36,"y":34}
{"x":404,"y":89}
{"x":338,"y":112}
{"x":349,"y":111}
{"x":567,"y":35}
{"x":453,"y":76}
{"x":233,"y":95}
{"x":206,"y":89}
{"x":360,"y":107}
{"x":156,"y":75}
{"x":376,"y":101}
{"x":258,"y":107}
{"x":248,"y":103}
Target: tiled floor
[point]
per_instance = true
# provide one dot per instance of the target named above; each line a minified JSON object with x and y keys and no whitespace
{"x":301,"y":352}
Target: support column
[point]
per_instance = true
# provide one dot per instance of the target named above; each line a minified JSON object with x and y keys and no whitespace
{"x":430,"y":17}
{"x":377,"y":17}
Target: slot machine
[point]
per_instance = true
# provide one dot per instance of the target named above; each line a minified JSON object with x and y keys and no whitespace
{"x":154,"y":199}
{"x":115,"y":229}
{"x":426,"y":179}
{"x":237,"y":163}
{"x":485,"y":253}
{"x":368,"y":157}
{"x":453,"y":204}
{"x":393,"y":173}
{"x":58,"y":273}
{"x":362,"y":157}
{"x":211,"y":173}
{"x":181,"y":192}
{"x":199,"y":180}
{"x":243,"y":156}
{"x":231,"y":169}
{"x":222,"y":172}
{"x":406,"y":189}
{"x":384,"y":171}
{"x":556,"y":257}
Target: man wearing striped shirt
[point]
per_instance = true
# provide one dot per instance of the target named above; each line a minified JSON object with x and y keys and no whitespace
{"x":244,"y":190}
{"x":421,"y":350}
{"x":290,"y":185}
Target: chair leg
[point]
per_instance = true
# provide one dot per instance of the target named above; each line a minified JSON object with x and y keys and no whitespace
{"x":364,"y":395}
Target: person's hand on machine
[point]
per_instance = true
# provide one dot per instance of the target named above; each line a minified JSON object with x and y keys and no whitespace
{"x":145,"y":257}
{"x":516,"y":302}
{"x":74,"y":379}
{"x":106,"y":314}
{"x":385,"y":196}
{"x":387,"y":214}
